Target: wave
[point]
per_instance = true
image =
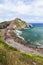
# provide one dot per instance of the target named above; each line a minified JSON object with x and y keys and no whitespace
{"x":18,"y":33}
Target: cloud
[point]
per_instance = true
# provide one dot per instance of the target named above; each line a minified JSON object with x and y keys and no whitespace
{"x":10,"y":9}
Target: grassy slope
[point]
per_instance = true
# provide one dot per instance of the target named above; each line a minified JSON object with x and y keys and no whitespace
{"x":11,"y":56}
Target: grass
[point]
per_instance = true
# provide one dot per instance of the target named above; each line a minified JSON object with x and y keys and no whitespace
{"x":20,"y":24}
{"x":11,"y":56}
{"x":7,"y":46}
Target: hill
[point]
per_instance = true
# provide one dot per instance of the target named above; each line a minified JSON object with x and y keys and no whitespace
{"x":15,"y":24}
{"x":9,"y":29}
{"x":12,"y":56}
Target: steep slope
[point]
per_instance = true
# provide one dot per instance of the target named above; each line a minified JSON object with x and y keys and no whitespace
{"x":19,"y":24}
{"x":4,"y":24}
{"x":10,"y":29}
{"x":12,"y":56}
{"x":15,"y":24}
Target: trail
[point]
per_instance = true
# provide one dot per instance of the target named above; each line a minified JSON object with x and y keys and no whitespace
{"x":22,"y":48}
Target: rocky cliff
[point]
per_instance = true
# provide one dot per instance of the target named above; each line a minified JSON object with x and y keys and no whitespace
{"x":10,"y":28}
{"x":15,"y":24}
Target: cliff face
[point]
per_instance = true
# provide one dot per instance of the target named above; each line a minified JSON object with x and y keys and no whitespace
{"x":10,"y":27}
{"x":4,"y":24}
{"x":17,"y":24}
{"x":14,"y":24}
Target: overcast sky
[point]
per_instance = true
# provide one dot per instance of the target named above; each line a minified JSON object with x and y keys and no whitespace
{"x":28,"y":10}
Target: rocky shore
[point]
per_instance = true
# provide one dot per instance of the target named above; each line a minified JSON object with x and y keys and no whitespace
{"x":24,"y":48}
{"x":11,"y":32}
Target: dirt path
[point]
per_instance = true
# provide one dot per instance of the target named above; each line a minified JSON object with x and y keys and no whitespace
{"x":22,"y":48}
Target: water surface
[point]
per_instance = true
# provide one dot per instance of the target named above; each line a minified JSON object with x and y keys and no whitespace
{"x":34,"y":36}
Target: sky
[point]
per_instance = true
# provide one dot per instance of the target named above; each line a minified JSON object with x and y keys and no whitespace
{"x":30,"y":11}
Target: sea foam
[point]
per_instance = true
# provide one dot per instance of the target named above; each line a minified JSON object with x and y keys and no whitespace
{"x":18,"y":33}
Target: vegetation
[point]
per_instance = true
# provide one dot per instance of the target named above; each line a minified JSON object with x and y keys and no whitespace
{"x":4,"y":24}
{"x":7,"y":46}
{"x":18,"y":22}
{"x":11,"y":56}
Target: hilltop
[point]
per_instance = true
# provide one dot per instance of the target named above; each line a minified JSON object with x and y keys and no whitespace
{"x":15,"y":24}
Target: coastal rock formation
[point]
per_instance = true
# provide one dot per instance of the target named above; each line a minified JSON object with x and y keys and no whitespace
{"x":4,"y":24}
{"x":12,"y":27}
{"x":10,"y":34}
{"x":15,"y":24}
{"x":19,"y":24}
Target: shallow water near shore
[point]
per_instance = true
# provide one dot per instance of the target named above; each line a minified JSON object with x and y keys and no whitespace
{"x":33,"y":36}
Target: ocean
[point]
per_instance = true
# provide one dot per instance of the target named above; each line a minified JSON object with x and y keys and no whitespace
{"x":33,"y":36}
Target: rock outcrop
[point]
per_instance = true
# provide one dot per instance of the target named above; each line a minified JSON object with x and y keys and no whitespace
{"x":10,"y":27}
{"x":15,"y":24}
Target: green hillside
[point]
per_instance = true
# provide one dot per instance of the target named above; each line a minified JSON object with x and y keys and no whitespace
{"x":12,"y":56}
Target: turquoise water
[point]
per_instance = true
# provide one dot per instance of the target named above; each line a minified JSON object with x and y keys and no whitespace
{"x":33,"y":36}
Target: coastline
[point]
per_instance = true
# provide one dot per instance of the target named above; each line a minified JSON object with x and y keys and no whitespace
{"x":18,"y":32}
{"x":24,"y":48}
